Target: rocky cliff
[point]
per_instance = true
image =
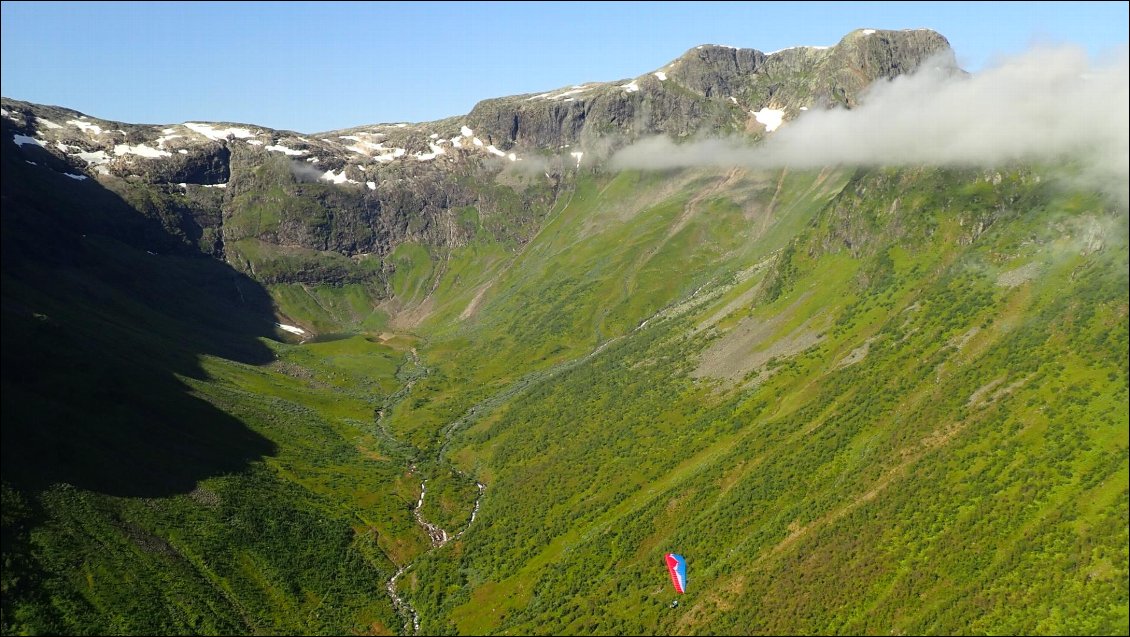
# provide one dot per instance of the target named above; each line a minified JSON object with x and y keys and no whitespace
{"x":330,"y":207}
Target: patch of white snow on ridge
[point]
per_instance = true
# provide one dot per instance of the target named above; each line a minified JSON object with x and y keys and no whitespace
{"x":393,"y":153}
{"x":433,"y":136}
{"x":371,"y":184}
{"x":573,"y":91}
{"x":24,"y":140}
{"x":770,"y":117}
{"x":85,"y":127}
{"x":292,"y":329}
{"x":279,"y":148}
{"x":476,"y":141}
{"x":661,"y":75}
{"x":214,"y":133}
{"x":75,"y":177}
{"x":95,"y":158}
{"x":214,"y":185}
{"x":804,"y":108}
{"x":790,"y":48}
{"x":183,"y":151}
{"x":539,"y":95}
{"x":436,"y":151}
{"x":630,"y":87}
{"x":456,"y":142}
{"x":142,"y":150}
{"x":466,"y":132}
{"x":329,"y":175}
{"x":164,"y":138}
{"x":4,"y":112}
{"x":254,"y":142}
{"x":868,"y":31}
{"x":46,"y":122}
{"x":494,"y":151}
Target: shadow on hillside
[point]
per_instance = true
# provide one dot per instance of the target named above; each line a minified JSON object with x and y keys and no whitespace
{"x":102,"y":310}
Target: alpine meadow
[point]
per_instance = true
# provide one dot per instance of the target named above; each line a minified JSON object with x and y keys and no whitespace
{"x":843,"y":329}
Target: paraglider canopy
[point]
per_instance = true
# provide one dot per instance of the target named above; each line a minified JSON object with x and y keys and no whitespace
{"x":677,"y":567}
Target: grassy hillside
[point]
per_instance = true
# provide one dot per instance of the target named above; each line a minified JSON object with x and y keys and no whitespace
{"x":856,"y":401}
{"x":905,"y":410}
{"x":170,"y":465}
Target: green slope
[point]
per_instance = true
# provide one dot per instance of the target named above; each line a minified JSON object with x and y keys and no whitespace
{"x":856,"y":401}
{"x":169,"y":465}
{"x":912,"y":419}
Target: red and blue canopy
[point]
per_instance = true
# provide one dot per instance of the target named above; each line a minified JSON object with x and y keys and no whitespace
{"x":677,"y":566}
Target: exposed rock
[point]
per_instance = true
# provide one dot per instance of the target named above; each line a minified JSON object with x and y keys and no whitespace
{"x":278,"y":203}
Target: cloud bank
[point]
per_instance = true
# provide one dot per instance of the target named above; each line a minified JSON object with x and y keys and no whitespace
{"x":1047,"y":105}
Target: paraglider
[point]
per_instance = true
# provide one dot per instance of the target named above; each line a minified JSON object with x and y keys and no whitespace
{"x":677,"y":567}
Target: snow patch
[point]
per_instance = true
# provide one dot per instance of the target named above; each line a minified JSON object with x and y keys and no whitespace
{"x":85,"y":127}
{"x":39,"y":121}
{"x":331,"y":176}
{"x":214,"y":133}
{"x":868,"y":31}
{"x":254,"y":142}
{"x":734,"y":99}
{"x":436,"y":151}
{"x":804,"y":108}
{"x":393,"y":153}
{"x":630,"y":87}
{"x":790,"y":48}
{"x":142,"y":150}
{"x":95,"y":158}
{"x":30,"y":162}
{"x":24,"y":140}
{"x":573,"y":91}
{"x":476,"y":141}
{"x":183,"y":151}
{"x":494,"y":151}
{"x":164,"y":138}
{"x":770,"y":117}
{"x":661,"y":75}
{"x":371,"y":184}
{"x":539,"y":95}
{"x":456,"y":142}
{"x":466,"y":132}
{"x":75,"y":177}
{"x":292,"y":329}
{"x":433,"y":136}
{"x":279,"y":148}
{"x":214,"y":185}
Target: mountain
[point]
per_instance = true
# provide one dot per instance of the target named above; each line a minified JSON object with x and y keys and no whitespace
{"x":464,"y":377}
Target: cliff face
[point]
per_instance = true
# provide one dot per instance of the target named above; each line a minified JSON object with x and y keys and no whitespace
{"x":253,"y":195}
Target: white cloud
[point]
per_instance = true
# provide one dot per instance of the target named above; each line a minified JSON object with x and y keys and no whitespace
{"x":1045,"y":106}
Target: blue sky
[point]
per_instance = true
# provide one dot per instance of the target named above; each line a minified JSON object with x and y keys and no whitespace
{"x":312,"y":67}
